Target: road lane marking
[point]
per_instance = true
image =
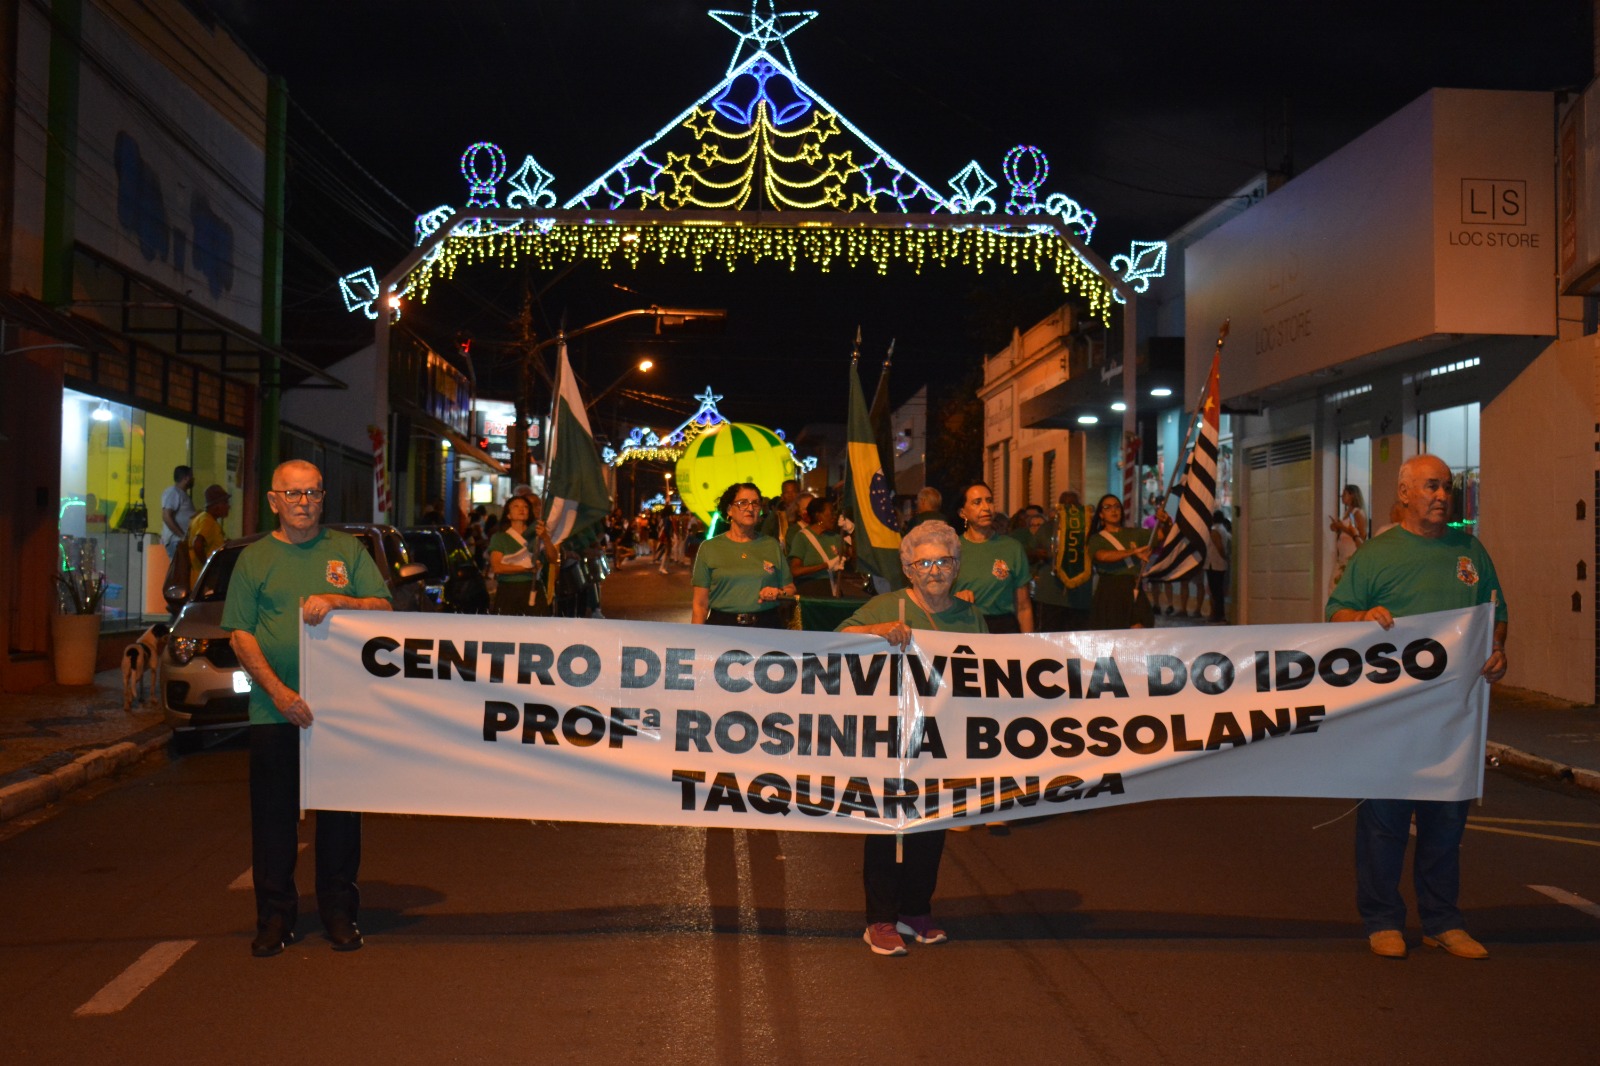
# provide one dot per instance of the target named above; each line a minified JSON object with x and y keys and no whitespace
{"x":1536,"y":821}
{"x":1561,"y":895}
{"x":126,"y":986}
{"x":1533,"y":836}
{"x":247,"y":879}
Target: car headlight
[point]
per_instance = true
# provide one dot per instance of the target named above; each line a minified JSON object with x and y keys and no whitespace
{"x":184,"y":649}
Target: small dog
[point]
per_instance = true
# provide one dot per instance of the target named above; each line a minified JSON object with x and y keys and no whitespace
{"x":139,"y":659}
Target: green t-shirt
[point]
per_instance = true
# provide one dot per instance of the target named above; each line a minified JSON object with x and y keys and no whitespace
{"x":962,"y":617}
{"x":993,"y":570}
{"x":736,"y":572}
{"x":1411,"y":574}
{"x":505,"y":544}
{"x":264,"y":594}
{"x":805,"y":553}
{"x":1128,"y":538}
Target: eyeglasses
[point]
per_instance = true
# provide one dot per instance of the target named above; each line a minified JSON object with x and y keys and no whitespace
{"x":744,"y":505}
{"x":944,"y":562}
{"x":296,"y":495}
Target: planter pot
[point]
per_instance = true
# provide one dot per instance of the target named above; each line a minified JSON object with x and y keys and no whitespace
{"x":76,"y":641}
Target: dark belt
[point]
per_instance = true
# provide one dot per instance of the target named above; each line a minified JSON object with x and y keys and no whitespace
{"x":758,"y":619}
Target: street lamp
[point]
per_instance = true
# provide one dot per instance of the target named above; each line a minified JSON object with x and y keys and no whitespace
{"x":665,"y":317}
{"x":642,"y":366}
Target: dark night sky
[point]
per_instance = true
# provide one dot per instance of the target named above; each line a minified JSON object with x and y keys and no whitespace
{"x":1149,"y":112}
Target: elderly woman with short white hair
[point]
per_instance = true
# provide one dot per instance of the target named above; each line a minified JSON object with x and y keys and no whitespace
{"x":900,"y":894}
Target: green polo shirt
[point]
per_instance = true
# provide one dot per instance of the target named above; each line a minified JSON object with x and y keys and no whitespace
{"x":962,"y":617}
{"x":264,"y":594}
{"x":993,"y":570}
{"x":1411,"y":574}
{"x":736,"y":572}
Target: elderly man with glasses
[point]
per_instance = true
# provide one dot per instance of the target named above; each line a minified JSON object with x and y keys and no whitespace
{"x":300,"y":571}
{"x":900,"y":894}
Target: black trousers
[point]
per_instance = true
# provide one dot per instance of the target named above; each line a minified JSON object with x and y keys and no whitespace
{"x":1003,"y":623}
{"x":274,"y":834}
{"x":906,"y":887}
{"x":1217,"y":582}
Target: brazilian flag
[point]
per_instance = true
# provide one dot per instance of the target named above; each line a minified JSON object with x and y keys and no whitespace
{"x":868,"y":496}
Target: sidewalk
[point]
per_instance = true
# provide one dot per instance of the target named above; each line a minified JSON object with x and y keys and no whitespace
{"x":57,"y":739}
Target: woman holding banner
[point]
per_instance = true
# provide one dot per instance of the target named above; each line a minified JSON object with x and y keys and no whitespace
{"x":900,"y":889}
{"x":1118,"y":554}
{"x":741,"y":574}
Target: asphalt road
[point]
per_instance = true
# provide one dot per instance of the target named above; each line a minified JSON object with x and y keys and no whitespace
{"x":1215,"y":931}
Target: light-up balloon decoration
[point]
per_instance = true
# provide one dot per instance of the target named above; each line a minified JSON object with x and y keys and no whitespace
{"x":730,"y":453}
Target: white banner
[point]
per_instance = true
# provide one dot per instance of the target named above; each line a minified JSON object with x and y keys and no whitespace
{"x":662,"y":724}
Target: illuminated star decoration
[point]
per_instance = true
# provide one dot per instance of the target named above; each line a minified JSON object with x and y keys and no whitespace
{"x":766,"y":27}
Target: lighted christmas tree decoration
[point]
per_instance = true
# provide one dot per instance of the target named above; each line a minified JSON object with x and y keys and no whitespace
{"x":762,"y":140}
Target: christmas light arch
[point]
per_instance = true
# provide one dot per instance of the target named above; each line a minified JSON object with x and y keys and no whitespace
{"x":761,"y":168}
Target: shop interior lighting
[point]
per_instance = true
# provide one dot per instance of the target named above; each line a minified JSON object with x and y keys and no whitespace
{"x":1161,"y":393}
{"x":102,"y":413}
{"x":1088,"y":420}
{"x":1119,"y":406}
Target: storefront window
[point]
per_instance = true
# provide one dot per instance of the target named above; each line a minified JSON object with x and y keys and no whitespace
{"x":1452,"y":435}
{"x":116,"y":461}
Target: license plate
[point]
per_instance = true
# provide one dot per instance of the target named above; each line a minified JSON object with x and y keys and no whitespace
{"x":241,"y":681}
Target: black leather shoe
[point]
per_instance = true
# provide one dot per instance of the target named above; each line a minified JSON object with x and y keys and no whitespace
{"x":272,"y":938}
{"x":342,"y":933}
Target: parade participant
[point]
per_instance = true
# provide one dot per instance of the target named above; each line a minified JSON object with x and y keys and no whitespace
{"x":300,"y":571}
{"x":1063,"y":586}
{"x":518,"y":552}
{"x":929,"y":507}
{"x":1118,"y":553}
{"x":740,"y":574}
{"x":900,"y":894}
{"x":1219,"y":550}
{"x":177,"y":510}
{"x":785,"y":511}
{"x":205,"y":531}
{"x":817,"y":550}
{"x":994,"y":568}
{"x":1421,"y":565}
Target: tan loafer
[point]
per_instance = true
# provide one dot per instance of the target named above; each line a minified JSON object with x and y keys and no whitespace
{"x":1459,"y":943}
{"x":1387,"y":944}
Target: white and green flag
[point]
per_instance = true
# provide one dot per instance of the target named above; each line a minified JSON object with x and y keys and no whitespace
{"x":575,"y":485}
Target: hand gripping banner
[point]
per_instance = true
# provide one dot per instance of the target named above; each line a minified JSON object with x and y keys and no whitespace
{"x":662,"y":724}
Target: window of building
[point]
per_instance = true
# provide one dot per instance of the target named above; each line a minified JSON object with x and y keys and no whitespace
{"x":1452,"y":435}
{"x":116,"y":461}
{"x":1049,"y":493}
{"x":1027,"y":480}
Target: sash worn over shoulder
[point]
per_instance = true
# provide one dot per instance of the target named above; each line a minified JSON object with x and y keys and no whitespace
{"x":1072,"y":546}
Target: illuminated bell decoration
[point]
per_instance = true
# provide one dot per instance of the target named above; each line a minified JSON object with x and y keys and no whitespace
{"x":726,"y":455}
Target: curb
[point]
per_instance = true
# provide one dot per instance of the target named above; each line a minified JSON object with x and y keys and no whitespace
{"x":1500,"y":754}
{"x":46,"y":787}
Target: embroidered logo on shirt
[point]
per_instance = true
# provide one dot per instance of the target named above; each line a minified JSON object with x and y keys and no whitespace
{"x":336,"y":574}
{"x":1000,"y":570}
{"x":769,"y":566}
{"x":1466,"y":573}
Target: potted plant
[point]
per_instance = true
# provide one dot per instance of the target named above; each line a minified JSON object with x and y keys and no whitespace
{"x":75,"y":631}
